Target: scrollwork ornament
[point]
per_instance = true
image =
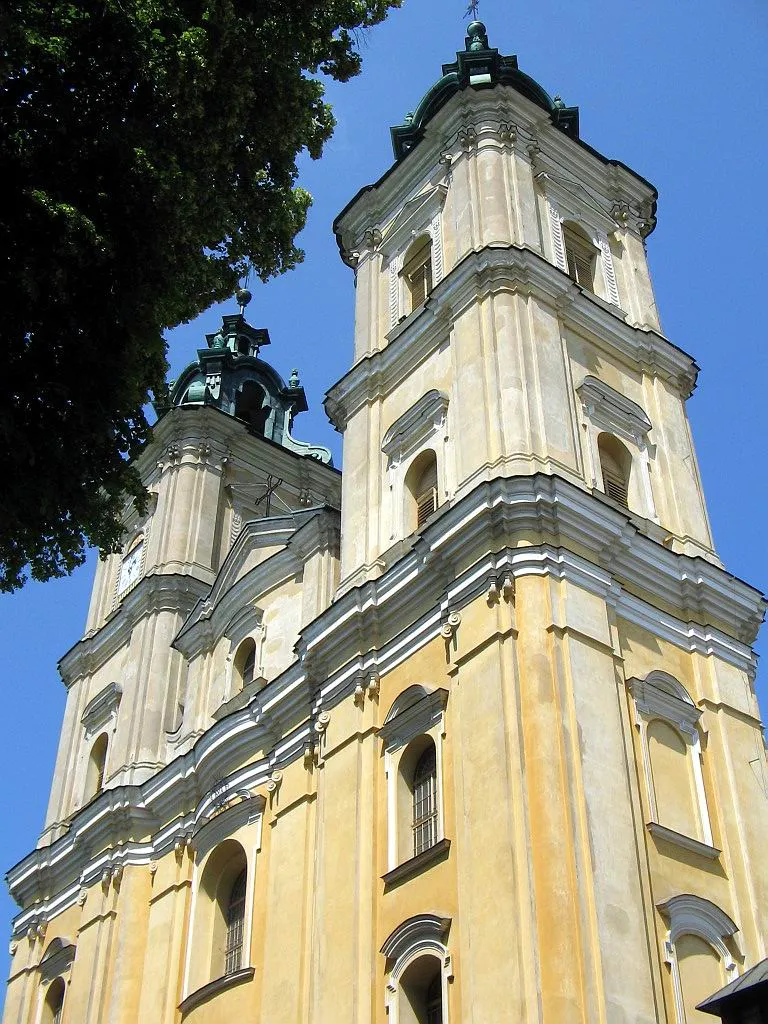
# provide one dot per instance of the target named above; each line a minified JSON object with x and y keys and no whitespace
{"x":507,"y":133}
{"x":467,"y":138}
{"x":371,"y":238}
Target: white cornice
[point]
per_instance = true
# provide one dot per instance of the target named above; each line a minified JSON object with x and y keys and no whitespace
{"x":153,"y":593}
{"x":494,"y":270}
{"x":489,"y":113}
{"x":375,"y":627}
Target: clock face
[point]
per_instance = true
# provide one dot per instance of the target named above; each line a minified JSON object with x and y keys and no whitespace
{"x":131,"y":567}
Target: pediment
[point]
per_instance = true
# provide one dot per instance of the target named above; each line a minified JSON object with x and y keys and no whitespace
{"x":413,"y":217}
{"x":416,"y":424}
{"x":238,"y":586}
{"x":612,"y":411}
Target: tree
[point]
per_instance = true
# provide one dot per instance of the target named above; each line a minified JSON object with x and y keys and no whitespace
{"x":148,"y":156}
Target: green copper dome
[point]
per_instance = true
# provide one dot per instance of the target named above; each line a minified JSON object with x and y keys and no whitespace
{"x":479,"y":66}
{"x":230,"y":376}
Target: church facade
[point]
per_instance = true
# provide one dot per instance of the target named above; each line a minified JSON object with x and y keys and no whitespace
{"x":467,"y":733}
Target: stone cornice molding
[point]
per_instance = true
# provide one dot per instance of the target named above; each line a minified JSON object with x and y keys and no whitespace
{"x":101,"y":709}
{"x":415,"y":711}
{"x":612,"y":411}
{"x":154,"y":593}
{"x":491,"y":113}
{"x":660,"y":695}
{"x":491,"y":270}
{"x":229,"y":439}
{"x":57,"y":959}
{"x":414,"y":932}
{"x":448,"y":567}
{"x":693,"y":915}
{"x":416,"y":424}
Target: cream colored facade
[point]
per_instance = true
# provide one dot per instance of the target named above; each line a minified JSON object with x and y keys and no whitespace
{"x":253,"y":692}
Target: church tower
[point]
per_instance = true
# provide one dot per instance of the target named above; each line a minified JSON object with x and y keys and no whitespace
{"x":468,"y":735}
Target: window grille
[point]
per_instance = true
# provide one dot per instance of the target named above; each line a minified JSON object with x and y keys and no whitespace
{"x":235,"y":925}
{"x":425,"y":802}
{"x":57,"y":1012}
{"x":426,"y":504}
{"x":435,"y":1001}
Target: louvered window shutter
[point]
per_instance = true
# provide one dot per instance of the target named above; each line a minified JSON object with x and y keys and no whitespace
{"x":426,"y":504}
{"x":615,"y":487}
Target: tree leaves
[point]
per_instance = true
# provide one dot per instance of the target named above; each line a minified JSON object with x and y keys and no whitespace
{"x":148,"y":154}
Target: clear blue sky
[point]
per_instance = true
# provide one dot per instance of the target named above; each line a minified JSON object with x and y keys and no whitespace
{"x":674,"y":88}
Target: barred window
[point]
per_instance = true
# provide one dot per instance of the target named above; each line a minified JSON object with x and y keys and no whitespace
{"x":233,"y":955}
{"x":425,"y":801}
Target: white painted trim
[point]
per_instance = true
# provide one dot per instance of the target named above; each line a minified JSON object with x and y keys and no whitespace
{"x":558,"y":240}
{"x":691,"y":915}
{"x":661,"y":697}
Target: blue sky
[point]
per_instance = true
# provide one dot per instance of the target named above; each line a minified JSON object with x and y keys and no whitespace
{"x":674,"y":89}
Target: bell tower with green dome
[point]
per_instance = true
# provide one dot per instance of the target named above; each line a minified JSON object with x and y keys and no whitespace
{"x":468,"y":734}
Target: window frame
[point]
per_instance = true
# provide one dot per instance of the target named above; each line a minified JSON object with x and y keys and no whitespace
{"x":660,"y":697}
{"x":225,"y":815}
{"x":564,"y":209}
{"x":688,"y":914}
{"x":418,"y":712}
{"x":419,"y":937}
{"x":607,"y":411}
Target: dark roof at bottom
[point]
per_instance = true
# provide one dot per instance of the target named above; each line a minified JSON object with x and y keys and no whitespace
{"x":743,"y":987}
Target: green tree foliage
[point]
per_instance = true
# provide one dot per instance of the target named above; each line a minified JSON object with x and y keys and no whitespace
{"x":148,"y":154}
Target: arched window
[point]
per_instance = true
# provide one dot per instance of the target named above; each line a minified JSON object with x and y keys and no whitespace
{"x":419,"y":967}
{"x":97,"y":764}
{"x":424,"y":822}
{"x":219,"y":939}
{"x":667,"y":721}
{"x":418,"y":798}
{"x":615,"y":466}
{"x":701,"y":975}
{"x":245,"y":664}
{"x":580,"y":255}
{"x":251,"y":405}
{"x":417,"y":271}
{"x":698,"y":953}
{"x":54,"y":1002}
{"x":435,"y":999}
{"x":421,"y":490}
{"x":235,"y":917}
{"x":421,"y":993}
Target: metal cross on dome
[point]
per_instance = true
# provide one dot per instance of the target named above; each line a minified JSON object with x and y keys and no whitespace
{"x":472,"y":11}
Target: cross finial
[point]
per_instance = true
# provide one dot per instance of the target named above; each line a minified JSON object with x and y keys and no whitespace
{"x":471,"y":11}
